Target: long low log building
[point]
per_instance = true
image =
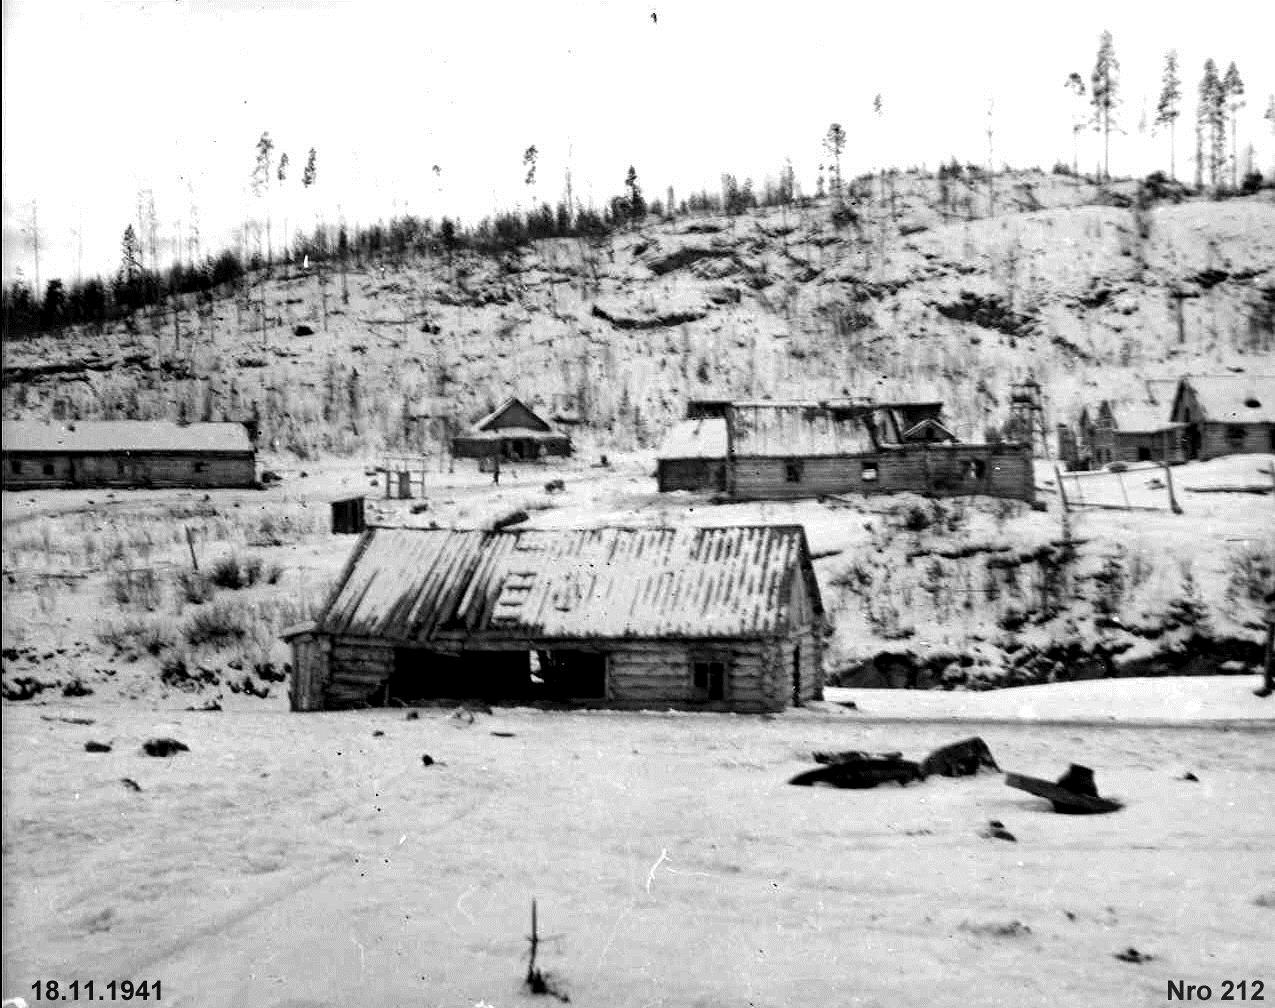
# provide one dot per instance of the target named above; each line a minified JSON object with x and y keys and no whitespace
{"x":765,"y":450}
{"x":127,"y":453}
{"x":689,"y":618}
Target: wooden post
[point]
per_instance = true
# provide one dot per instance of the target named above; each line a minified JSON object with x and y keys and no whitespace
{"x":1062,"y":491}
{"x":1123,"y":492}
{"x":1173,"y":500}
{"x":190,"y":542}
{"x":1268,"y":667}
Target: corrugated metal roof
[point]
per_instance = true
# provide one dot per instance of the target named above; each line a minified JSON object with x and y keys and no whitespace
{"x":124,"y":436}
{"x":799,"y":430}
{"x":1236,"y":398}
{"x":406,"y":585}
{"x":704,"y":438}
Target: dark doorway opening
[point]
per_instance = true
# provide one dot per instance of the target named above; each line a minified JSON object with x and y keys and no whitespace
{"x":423,"y":675}
{"x":1144,"y":453}
{"x":570,"y":675}
{"x":708,"y":679}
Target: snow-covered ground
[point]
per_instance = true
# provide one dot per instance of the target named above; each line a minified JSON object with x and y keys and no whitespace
{"x":1169,"y":701}
{"x":314,"y":860}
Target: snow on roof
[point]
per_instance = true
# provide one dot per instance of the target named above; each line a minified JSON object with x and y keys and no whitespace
{"x":704,"y":438}
{"x":510,"y":403}
{"x":1144,"y":417}
{"x":1235,"y":398}
{"x":769,"y":430}
{"x":502,"y":433}
{"x":1162,"y":390}
{"x":408,"y":585}
{"x":124,"y":436}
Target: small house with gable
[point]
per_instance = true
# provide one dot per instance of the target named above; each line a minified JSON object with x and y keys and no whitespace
{"x":511,"y":431}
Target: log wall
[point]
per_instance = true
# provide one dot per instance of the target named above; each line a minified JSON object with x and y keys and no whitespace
{"x":1152,"y":446}
{"x":640,"y":674}
{"x":691,"y":474}
{"x":940,"y":470}
{"x":1218,"y":439}
{"x":33,"y":471}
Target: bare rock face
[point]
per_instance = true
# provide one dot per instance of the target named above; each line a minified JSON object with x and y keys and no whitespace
{"x":677,"y":256}
{"x":658,"y":314}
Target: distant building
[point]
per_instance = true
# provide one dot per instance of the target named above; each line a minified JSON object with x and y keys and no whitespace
{"x":693,"y":456}
{"x":1137,"y":432}
{"x":1226,"y":414}
{"x":692,"y":618}
{"x":126,"y":453}
{"x":511,"y":431}
{"x":788,"y":450}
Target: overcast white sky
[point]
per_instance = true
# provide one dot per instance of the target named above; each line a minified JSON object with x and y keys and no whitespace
{"x":103,"y":98}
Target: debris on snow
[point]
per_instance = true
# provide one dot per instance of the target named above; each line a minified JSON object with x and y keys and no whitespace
{"x":164,"y":747}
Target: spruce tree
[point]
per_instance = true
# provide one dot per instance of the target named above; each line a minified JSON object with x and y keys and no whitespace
{"x":1166,"y":113}
{"x":834,"y":143}
{"x":636,"y":201}
{"x":1104,"y":85}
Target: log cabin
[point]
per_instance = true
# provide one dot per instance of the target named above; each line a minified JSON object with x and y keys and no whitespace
{"x":1226,"y":414}
{"x":127,"y":453}
{"x":720,"y":619}
{"x":1136,"y":432}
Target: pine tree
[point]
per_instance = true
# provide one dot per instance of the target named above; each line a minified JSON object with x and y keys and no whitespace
{"x":1076,"y":85}
{"x":1233,"y":88}
{"x":1166,"y":113}
{"x":1104,"y":87}
{"x":529,"y":162}
{"x":1211,"y":116}
{"x":310,"y":172}
{"x":282,"y":175}
{"x":261,"y":181}
{"x":834,"y":143}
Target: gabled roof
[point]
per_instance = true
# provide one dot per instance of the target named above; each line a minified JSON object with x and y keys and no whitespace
{"x":1234,"y":398}
{"x":123,"y":436}
{"x":1162,"y":390}
{"x":928,"y":429}
{"x":532,"y":421}
{"x":408,"y":585}
{"x":687,"y":439}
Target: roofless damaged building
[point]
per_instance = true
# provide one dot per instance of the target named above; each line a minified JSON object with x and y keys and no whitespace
{"x":691,"y":618}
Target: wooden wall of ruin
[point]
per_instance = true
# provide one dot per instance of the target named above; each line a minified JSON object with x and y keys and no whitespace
{"x":349,"y":672}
